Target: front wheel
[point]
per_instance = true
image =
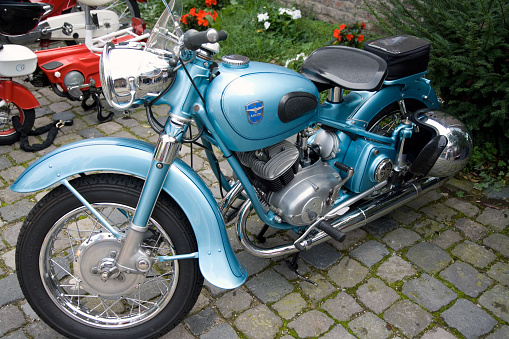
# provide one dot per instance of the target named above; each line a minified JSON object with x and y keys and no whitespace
{"x":8,"y":110}
{"x":62,"y":249}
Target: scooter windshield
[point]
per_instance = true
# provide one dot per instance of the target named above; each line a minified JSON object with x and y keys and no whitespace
{"x":166,"y":36}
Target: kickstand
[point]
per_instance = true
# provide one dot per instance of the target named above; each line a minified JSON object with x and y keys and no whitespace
{"x":260,"y":236}
{"x":294,"y":266}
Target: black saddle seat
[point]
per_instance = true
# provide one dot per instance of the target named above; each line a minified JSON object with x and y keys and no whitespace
{"x":345,"y":67}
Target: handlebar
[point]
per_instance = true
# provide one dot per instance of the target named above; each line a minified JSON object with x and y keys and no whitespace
{"x":194,"y":39}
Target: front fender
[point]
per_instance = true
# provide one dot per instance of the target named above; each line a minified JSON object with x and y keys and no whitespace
{"x":218,"y":263}
{"x":18,"y":94}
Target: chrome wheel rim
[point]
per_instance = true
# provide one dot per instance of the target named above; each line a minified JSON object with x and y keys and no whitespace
{"x":62,"y":281}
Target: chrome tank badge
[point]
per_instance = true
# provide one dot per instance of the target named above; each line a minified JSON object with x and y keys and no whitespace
{"x":254,"y":111}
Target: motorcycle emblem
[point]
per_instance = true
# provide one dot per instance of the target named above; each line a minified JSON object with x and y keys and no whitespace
{"x":254,"y":111}
{"x":20,"y":67}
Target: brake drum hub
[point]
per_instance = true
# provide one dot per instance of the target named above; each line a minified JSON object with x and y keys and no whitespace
{"x":96,"y":268}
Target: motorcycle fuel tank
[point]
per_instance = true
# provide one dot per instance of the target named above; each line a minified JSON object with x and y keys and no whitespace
{"x":252,"y":105}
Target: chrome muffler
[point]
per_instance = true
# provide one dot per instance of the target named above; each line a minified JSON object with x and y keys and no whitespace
{"x":349,"y":221}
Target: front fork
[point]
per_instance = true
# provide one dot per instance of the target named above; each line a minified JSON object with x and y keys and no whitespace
{"x":132,"y":258}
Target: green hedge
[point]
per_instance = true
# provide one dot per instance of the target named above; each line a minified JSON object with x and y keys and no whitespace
{"x":469,"y":65}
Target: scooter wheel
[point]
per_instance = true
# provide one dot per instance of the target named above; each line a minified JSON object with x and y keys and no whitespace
{"x":8,"y":134}
{"x":67,"y":269}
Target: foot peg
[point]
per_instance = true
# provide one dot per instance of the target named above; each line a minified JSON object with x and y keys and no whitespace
{"x":331,"y":231}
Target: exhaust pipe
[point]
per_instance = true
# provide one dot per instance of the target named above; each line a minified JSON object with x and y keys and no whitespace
{"x":358,"y":217}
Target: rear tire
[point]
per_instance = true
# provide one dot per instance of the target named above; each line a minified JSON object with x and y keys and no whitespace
{"x":8,"y":134}
{"x":61,"y":244}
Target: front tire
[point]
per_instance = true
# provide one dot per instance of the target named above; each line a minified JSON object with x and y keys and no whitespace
{"x":61,"y":241}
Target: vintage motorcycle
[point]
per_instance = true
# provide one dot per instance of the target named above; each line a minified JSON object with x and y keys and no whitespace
{"x":120,"y":248}
{"x":24,"y":22}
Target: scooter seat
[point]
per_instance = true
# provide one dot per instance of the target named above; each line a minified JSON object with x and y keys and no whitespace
{"x":20,"y":17}
{"x":345,"y":67}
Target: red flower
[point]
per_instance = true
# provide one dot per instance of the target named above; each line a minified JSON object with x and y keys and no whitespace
{"x":349,"y":37}
{"x":193,"y":11}
{"x":360,"y":38}
{"x":209,"y":3}
{"x":183,"y":18}
{"x":341,"y":27}
{"x":363,"y":25}
{"x":337,"y":34}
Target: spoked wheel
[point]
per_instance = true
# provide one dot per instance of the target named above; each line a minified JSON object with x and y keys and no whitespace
{"x":8,"y":134}
{"x":125,"y":9}
{"x":390,"y":117}
{"x":63,"y":252}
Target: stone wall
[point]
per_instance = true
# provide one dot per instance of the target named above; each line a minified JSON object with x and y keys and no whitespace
{"x":335,"y":11}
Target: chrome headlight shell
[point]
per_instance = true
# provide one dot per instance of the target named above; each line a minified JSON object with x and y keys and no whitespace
{"x":130,"y":74}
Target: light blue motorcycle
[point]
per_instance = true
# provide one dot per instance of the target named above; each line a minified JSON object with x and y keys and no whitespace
{"x":121,"y":246}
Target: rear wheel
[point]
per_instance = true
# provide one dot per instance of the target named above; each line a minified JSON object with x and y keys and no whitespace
{"x":62,"y":250}
{"x":8,"y":110}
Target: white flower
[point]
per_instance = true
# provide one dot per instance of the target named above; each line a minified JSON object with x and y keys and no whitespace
{"x":282,"y":10}
{"x":300,"y":55}
{"x":296,"y":14}
{"x":266,"y":24}
{"x":263,"y":17}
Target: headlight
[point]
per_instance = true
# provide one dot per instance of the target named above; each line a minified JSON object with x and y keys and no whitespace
{"x":129,"y":73}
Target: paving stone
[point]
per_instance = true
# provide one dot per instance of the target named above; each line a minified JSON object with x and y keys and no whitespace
{"x":428,"y":292}
{"x":202,"y":302}
{"x":461,"y":185}
{"x":347,"y":273}
{"x":370,"y":253}
{"x":474,"y":254}
{"x":39,"y":330}
{"x":90,"y":133}
{"x":376,"y":295}
{"x":404,"y":215}
{"x":234,"y":302}
{"x":269,"y":286}
{"x":4,"y":163}
{"x":369,"y":326}
{"x":319,"y":292}
{"x":464,"y":207}
{"x":202,"y":321}
{"x":468,"y":319}
{"x":470,"y":229}
{"x":9,"y":259}
{"x":381,"y":226}
{"x":438,"y":333}
{"x":109,"y":127}
{"x":338,"y":332}
{"x":495,"y":219}
{"x":290,"y":306}
{"x":439,"y":212}
{"x":20,"y":156}
{"x":311,"y":324}
{"x":11,"y":292}
{"x":258,"y":323}
{"x":60,"y":106}
{"x":352,"y":238}
{"x":395,"y":269}
{"x":11,"y":234}
{"x":30,"y":313}
{"x":466,"y":278}
{"x":401,"y":238}
{"x":447,"y":239}
{"x":223,"y":331}
{"x":15,"y":335}
{"x":16,"y":211}
{"x":12,"y":173}
{"x":252,"y":264}
{"x":342,"y":307}
{"x":424,"y":199}
{"x":408,"y":317}
{"x":284,"y":269}
{"x":8,"y":196}
{"x":500,"y":272}
{"x":179,"y":332}
{"x":496,"y":300}
{"x":501,"y":333}
{"x":429,"y":257}
{"x":214,"y":290}
{"x":499,"y":243}
{"x":11,"y":318}
{"x":428,"y":228}
{"x":321,"y":256}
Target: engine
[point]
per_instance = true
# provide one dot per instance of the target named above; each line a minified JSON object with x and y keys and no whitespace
{"x":297,"y":194}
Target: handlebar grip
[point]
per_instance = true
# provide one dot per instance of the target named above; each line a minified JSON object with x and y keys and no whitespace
{"x":194,"y":39}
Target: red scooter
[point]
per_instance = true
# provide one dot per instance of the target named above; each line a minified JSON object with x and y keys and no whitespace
{"x":71,"y":71}
{"x":24,"y":22}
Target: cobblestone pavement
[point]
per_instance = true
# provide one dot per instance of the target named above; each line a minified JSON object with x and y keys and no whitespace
{"x":435,"y":268}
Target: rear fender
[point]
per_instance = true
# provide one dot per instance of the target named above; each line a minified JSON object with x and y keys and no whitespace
{"x":218,"y":263}
{"x":11,"y":91}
